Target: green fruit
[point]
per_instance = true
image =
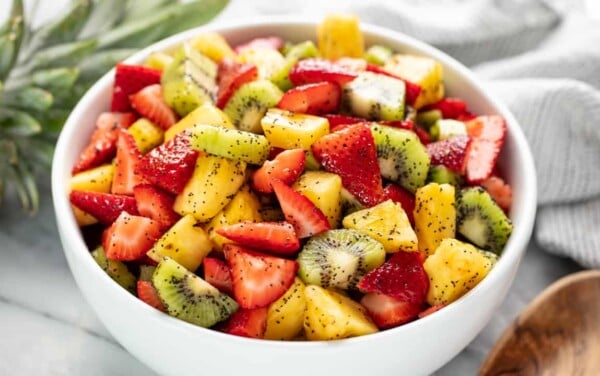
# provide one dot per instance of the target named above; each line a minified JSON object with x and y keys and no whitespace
{"x":293,"y":53}
{"x":146,"y":272}
{"x":249,"y":104}
{"x":375,"y":97}
{"x":378,"y":54}
{"x":116,"y":270}
{"x":426,"y":119}
{"x":350,"y":204}
{"x":443,"y":175}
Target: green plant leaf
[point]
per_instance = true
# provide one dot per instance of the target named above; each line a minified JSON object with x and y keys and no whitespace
{"x":61,"y":55}
{"x":41,"y":151}
{"x":137,"y":9}
{"x":18,"y":123}
{"x":11,"y":34}
{"x":54,"y":78}
{"x":96,"y":65}
{"x":28,"y":98}
{"x":104,"y":16}
{"x":25,"y":185}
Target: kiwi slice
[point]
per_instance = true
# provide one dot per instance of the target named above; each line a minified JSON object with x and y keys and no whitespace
{"x":146,"y":272}
{"x":230,"y":143}
{"x":427,"y":119}
{"x":339,"y":258}
{"x":378,"y":54}
{"x":443,"y":175}
{"x":117,"y":270}
{"x":401,"y":156}
{"x":350,"y":204}
{"x":375,"y":97}
{"x":293,"y":53}
{"x":250,"y":102}
{"x":481,"y":221}
{"x":189,"y":297}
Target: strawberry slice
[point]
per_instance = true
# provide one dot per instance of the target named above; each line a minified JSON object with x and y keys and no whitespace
{"x":105,"y":207}
{"x":317,"y":98}
{"x":451,"y":152}
{"x":217,"y":273}
{"x":387,"y":311}
{"x":337,"y":119}
{"x":103,"y":144}
{"x":403,"y":197}
{"x":231,"y":75}
{"x":307,"y":219}
{"x":402,"y":124}
{"x":130,"y":237}
{"x":128,"y":157}
{"x":412,"y":90}
{"x":431,"y":310}
{"x":156,"y":204}
{"x":147,"y":293}
{"x":451,"y":108}
{"x":130,"y":79}
{"x":313,"y":70}
{"x":423,"y":135}
{"x":499,"y":190}
{"x":286,"y":166}
{"x":149,"y":103}
{"x":274,"y":237}
{"x":258,"y":279}
{"x":170,"y":165}
{"x":351,"y":154}
{"x":250,"y":323}
{"x":488,"y":133}
{"x":272,"y":43}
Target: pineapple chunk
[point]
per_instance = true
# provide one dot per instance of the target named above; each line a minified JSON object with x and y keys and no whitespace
{"x":269,"y":62}
{"x":435,"y":215}
{"x":423,"y":71}
{"x":285,"y":317}
{"x":185,"y":243}
{"x":330,"y":315}
{"x":82,"y":218}
{"x":454,"y":269}
{"x":98,"y":179}
{"x":146,"y":134}
{"x":206,"y":113}
{"x":324,"y":190}
{"x":387,"y":223}
{"x":213,"y":184}
{"x":339,"y":36}
{"x":213,"y":45}
{"x":288,"y":130}
{"x":158,"y":60}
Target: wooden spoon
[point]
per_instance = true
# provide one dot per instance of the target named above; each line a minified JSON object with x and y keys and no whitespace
{"x":558,"y":333}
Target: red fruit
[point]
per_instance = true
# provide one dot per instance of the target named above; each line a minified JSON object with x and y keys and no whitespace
{"x":451,"y":108}
{"x":103,"y":144}
{"x":130,"y":79}
{"x":286,"y":166}
{"x":149,"y":103}
{"x":403,"y":197}
{"x":258,"y":279}
{"x":231,"y":75}
{"x":155,"y":204}
{"x":147,"y":293}
{"x":402,"y":277}
{"x":412,"y":90}
{"x":351,"y":154}
{"x":387,"y":311}
{"x":273,"y":43}
{"x":217,"y":273}
{"x":431,"y":310}
{"x":130,"y":237}
{"x":488,"y":136}
{"x":170,"y":165}
{"x":128,"y":157}
{"x":451,"y":152}
{"x":275,"y":237}
{"x":499,"y":190}
{"x":307,"y":219}
{"x":250,"y":323}
{"x":313,"y":70}
{"x":337,"y":119}
{"x":105,"y":207}
{"x":403,"y":124}
{"x":317,"y":98}
{"x":423,"y":135}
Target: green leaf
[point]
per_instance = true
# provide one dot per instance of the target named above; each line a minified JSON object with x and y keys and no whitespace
{"x":61,"y":55}
{"x":28,"y":98}
{"x":192,"y":14}
{"x":41,"y":151}
{"x":18,"y":123}
{"x":53,"y":120}
{"x":94,"y":66}
{"x":25,"y":186}
{"x":54,"y":78}
{"x":11,"y":35}
{"x":137,"y":9}
{"x":104,"y":16}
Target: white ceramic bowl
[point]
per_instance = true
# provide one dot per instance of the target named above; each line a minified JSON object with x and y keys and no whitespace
{"x":174,"y":347}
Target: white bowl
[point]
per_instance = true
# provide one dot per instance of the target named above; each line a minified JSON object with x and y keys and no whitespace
{"x":174,"y":347}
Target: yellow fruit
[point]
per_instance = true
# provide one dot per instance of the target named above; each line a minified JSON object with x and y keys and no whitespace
{"x":387,"y":223}
{"x":267,"y":60}
{"x":455,"y":268}
{"x":288,"y":130}
{"x":213,"y":45}
{"x":146,"y":134}
{"x":435,"y":215}
{"x":324,"y":190}
{"x":83,"y":218}
{"x":423,"y":71}
{"x":97,"y":179}
{"x":158,"y":60}
{"x":206,"y":113}
{"x":330,"y":315}
{"x":185,"y":243}
{"x":285,"y":317}
{"x":339,"y":36}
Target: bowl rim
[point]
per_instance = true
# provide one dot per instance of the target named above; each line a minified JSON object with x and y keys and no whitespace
{"x":70,"y":233}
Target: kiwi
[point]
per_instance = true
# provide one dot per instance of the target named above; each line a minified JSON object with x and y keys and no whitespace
{"x":375,"y":97}
{"x":378,"y":54}
{"x":189,"y":80}
{"x":293,"y":53}
{"x":447,"y":128}
{"x":481,"y":220}
{"x":443,"y":175}
{"x":117,"y":270}
{"x":339,"y":258}
{"x":401,"y":156}
{"x":311,"y":162}
{"x":426,"y":119}
{"x":189,"y":297}
{"x":249,"y":104}
{"x":230,"y":143}
{"x":350,"y":204}
{"x":146,"y":272}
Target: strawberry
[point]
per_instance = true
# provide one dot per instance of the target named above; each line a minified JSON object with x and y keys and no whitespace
{"x":499,"y":190}
{"x":387,"y":311}
{"x":170,"y":165}
{"x":103,"y":143}
{"x":403,"y":197}
{"x":250,"y":323}
{"x":149,"y":103}
{"x":105,"y":207}
{"x":307,"y":219}
{"x":274,"y":237}
{"x":231,"y":75}
{"x":402,"y":277}
{"x":128,"y":157}
{"x":351,"y":154}
{"x":147,"y":293}
{"x":130,"y":79}
{"x":403,"y":124}
{"x":451,"y":108}
{"x":431,"y":310}
{"x":488,"y":133}
{"x":156,"y":204}
{"x":286,"y":166}
{"x":337,"y":119}
{"x":451,"y":152}
{"x":130,"y":237}
{"x":272,"y":43}
{"x":217,"y":273}
{"x":412,"y":90}
{"x":317,"y":98}
{"x":423,"y":135}
{"x":312,"y":70}
{"x":258,"y":279}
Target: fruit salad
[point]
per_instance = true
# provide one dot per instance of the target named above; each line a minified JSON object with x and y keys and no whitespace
{"x":292,"y":191}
